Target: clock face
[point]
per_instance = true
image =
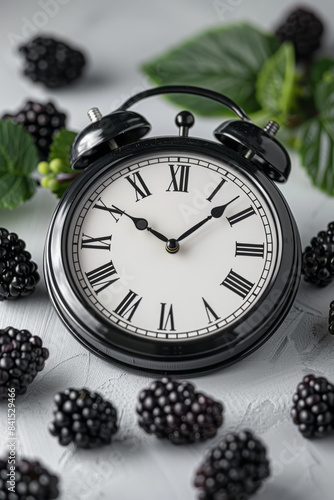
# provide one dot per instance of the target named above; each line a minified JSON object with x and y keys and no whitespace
{"x":173,"y":246}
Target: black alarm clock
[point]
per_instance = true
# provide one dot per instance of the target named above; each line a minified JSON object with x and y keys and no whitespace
{"x":173,"y":254}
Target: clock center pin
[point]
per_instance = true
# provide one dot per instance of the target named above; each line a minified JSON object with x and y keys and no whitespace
{"x":172,"y":246}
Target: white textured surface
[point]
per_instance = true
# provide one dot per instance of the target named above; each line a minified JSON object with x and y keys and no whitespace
{"x":257,"y":391}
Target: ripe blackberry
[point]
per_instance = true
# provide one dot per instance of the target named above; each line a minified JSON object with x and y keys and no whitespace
{"x":51,"y":61}
{"x":304,"y":30}
{"x":175,"y":411}
{"x":84,"y":418}
{"x":31,"y":481}
{"x":233,"y":469}
{"x":42,"y":121}
{"x":18,"y":273}
{"x":318,"y":258}
{"x":331,"y":318}
{"x":313,"y":406}
{"x":22,"y":356}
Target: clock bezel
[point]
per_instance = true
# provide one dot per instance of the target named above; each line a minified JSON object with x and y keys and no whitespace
{"x":158,"y":355}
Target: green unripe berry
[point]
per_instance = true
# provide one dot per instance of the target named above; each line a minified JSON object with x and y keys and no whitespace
{"x":53,"y":185}
{"x":56,"y":165}
{"x":45,"y":181}
{"x":43,"y":167}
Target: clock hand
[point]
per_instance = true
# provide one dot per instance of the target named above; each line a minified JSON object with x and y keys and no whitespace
{"x":216,"y":213}
{"x":141,"y":224}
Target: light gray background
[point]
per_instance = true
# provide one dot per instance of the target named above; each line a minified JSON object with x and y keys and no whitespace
{"x":118,"y":36}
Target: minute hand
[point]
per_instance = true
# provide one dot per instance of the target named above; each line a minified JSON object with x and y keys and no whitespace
{"x":216,"y":212}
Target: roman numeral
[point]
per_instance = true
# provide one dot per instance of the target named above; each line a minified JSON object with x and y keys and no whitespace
{"x":237,"y":284}
{"x":102,"y":206}
{"x":128,"y":306}
{"x":138,"y":183}
{"x":166,"y":319}
{"x":99,"y":278}
{"x":212,"y":316}
{"x":249,"y":249}
{"x":215,"y":191}
{"x":101,"y":243}
{"x":180,"y":178}
{"x":241,"y":215}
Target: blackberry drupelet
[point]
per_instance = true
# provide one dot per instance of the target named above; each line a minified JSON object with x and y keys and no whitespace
{"x":51,"y":61}
{"x":173,"y":410}
{"x":233,"y":469}
{"x":18,"y":273}
{"x":32,"y":481}
{"x":313,"y":406}
{"x":84,"y":418}
{"x":22,"y":356}
{"x":304,"y":30}
{"x":318,"y":258}
{"x":42,"y":121}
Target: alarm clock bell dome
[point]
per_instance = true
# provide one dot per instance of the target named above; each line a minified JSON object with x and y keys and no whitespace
{"x":105,"y":134}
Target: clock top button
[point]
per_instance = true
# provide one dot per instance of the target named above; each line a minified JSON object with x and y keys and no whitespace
{"x":184,"y":120}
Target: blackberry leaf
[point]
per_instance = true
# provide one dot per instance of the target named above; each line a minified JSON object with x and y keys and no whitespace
{"x":317,"y":139}
{"x":275,"y":85}
{"x":225,"y":59}
{"x":18,"y":159}
{"x":61,"y":145}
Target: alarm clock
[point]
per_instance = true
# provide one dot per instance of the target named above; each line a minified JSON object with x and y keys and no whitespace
{"x":173,"y":254}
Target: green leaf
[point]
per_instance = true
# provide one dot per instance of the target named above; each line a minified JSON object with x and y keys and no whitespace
{"x":18,"y":159}
{"x":317,"y":140}
{"x":321,"y":69}
{"x":275,"y":86}
{"x":60,"y":147}
{"x":226,"y":59}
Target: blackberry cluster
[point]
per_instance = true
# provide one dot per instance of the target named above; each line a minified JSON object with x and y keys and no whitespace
{"x":32,"y":481}
{"x":304,"y":30}
{"x":313,"y":406}
{"x":22,"y":356}
{"x":318,"y":258}
{"x":18,"y":273}
{"x":52,"y":62}
{"x":234,"y":469}
{"x":175,"y":411}
{"x":42,"y":121}
{"x":84,"y":418}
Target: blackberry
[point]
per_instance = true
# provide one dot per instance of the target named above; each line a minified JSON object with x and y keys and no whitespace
{"x":18,"y":273}
{"x":32,"y":481}
{"x":304,"y":30}
{"x":84,"y":418}
{"x":313,"y":406}
{"x":318,"y":258}
{"x":51,"y":61}
{"x":331,"y":318}
{"x":42,"y":121}
{"x":22,"y":356}
{"x":233,"y":469}
{"x":173,"y":410}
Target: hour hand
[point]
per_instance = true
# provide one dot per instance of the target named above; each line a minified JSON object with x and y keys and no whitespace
{"x":141,"y":224}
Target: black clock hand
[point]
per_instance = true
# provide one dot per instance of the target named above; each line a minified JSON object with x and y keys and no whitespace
{"x":216,"y":212}
{"x":142,"y":224}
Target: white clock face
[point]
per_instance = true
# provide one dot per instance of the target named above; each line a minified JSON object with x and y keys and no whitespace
{"x":213,"y":273}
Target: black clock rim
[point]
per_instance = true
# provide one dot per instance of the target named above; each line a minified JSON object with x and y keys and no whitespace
{"x":158,"y":356}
